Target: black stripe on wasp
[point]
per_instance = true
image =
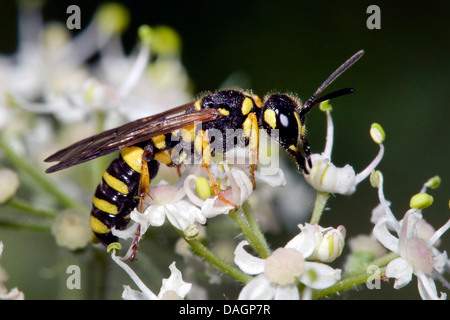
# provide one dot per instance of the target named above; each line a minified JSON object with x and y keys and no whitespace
{"x":146,"y":143}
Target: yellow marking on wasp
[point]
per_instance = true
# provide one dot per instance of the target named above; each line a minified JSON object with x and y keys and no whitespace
{"x":188,"y":133}
{"x":133,"y":157}
{"x":270,"y":118}
{"x":198,"y":105}
{"x":224,"y":112}
{"x":299,"y":124}
{"x":202,"y":146}
{"x":302,"y":131}
{"x":98,"y":227}
{"x":257,"y":101}
{"x":293,"y":148}
{"x":159,"y":141}
{"x":115,"y":183}
{"x":247,"y":126}
{"x":105,"y":206}
{"x":247,"y":106}
{"x":254,"y":138}
{"x":163,"y":157}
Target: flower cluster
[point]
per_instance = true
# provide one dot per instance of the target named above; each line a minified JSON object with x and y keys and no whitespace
{"x":61,"y":87}
{"x":415,"y":244}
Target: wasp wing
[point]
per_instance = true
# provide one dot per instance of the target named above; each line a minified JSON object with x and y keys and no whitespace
{"x":127,"y":135}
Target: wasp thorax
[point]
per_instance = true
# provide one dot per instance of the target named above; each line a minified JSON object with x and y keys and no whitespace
{"x":281,"y":119}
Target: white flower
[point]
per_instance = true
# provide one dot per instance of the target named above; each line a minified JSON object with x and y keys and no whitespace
{"x":173,"y":288}
{"x":236,"y":187}
{"x":165,"y":201}
{"x":9,"y":183}
{"x":415,"y":245}
{"x":277,"y":276}
{"x":326,"y":177}
{"x":328,"y":242}
{"x":71,"y":229}
{"x":14,"y":293}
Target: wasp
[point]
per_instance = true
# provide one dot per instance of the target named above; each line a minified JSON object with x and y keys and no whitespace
{"x":146,"y":143}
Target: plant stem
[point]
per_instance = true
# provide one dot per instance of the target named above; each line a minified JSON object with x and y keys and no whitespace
{"x":260,"y":245}
{"x":201,"y":250}
{"x":265,"y":250}
{"x":21,"y":163}
{"x":30,"y":208}
{"x":356,"y":278}
{"x":319,"y":205}
{"x":41,"y":227}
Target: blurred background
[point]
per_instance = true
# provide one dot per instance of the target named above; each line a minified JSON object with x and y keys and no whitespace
{"x":402,"y":82}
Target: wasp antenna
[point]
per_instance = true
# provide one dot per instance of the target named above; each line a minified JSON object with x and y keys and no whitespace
{"x":333,"y":95}
{"x":313,"y":100}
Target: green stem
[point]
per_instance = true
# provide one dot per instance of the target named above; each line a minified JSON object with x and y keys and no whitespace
{"x":21,"y":163}
{"x":41,"y":227}
{"x":239,"y":217}
{"x":319,"y":205}
{"x":201,"y":250}
{"x":356,"y":278}
{"x":254,"y":225}
{"x":29,"y":208}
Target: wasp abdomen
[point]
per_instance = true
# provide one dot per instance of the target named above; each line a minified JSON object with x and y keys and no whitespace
{"x":117,"y":194}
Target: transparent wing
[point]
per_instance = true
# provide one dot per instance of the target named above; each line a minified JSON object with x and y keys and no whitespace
{"x":127,"y":135}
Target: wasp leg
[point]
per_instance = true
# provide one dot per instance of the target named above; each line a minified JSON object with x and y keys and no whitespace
{"x":251,"y":131}
{"x":203,"y":145}
{"x":306,"y":149}
{"x":144,"y":187}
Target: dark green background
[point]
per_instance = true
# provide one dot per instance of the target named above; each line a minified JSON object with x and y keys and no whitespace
{"x":402,"y":82}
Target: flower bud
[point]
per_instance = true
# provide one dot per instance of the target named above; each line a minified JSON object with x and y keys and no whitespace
{"x":166,"y":40}
{"x":71,"y":229}
{"x":326,"y":177}
{"x":114,"y":246}
{"x":375,"y":178}
{"x":325,"y":106}
{"x":331,"y":245}
{"x":433,"y":182}
{"x":9,"y":183}
{"x":203,"y":188}
{"x":113,"y":17}
{"x":191,"y":232}
{"x":377,"y":133}
{"x":421,"y":201}
{"x":145,"y":33}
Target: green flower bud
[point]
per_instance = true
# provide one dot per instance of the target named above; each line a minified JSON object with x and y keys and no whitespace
{"x":375,"y":178}
{"x":113,"y":17}
{"x":433,"y":182}
{"x":203,"y":188}
{"x":421,"y":201}
{"x":325,"y":106}
{"x":166,"y":40}
{"x":115,"y":246}
{"x":146,"y":34}
{"x":377,"y":133}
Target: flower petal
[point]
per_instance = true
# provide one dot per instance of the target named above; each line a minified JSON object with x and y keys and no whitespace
{"x":276,"y":179}
{"x":246,"y":262}
{"x":259,"y":288}
{"x":305,"y":241}
{"x":287,"y":292}
{"x":382,"y":234}
{"x":183,"y":214}
{"x":175,"y":283}
{"x":401,"y":270}
{"x":427,"y":288}
{"x":319,"y":275}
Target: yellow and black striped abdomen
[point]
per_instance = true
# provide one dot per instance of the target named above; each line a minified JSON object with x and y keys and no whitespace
{"x":117,"y":194}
